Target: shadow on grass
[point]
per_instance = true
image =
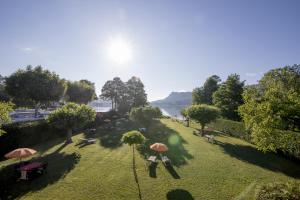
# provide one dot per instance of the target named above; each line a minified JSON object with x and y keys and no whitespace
{"x":268,"y":161}
{"x":179,"y":194}
{"x":152,"y":170}
{"x":172,"y":171}
{"x":109,"y":137}
{"x":159,"y":132}
{"x":58,"y":166}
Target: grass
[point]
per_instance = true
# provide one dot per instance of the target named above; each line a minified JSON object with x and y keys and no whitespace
{"x":229,"y":169}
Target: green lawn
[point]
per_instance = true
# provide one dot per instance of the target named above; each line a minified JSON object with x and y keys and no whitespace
{"x":229,"y":169}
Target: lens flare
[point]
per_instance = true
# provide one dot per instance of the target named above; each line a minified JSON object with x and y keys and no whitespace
{"x":174,"y":140}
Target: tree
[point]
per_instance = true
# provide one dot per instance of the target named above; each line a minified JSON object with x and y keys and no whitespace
{"x":114,"y":90}
{"x":137,"y":94}
{"x":3,"y":94}
{"x":272,"y":110}
{"x":145,"y":115}
{"x":124,"y":96}
{"x":204,"y":94}
{"x":81,"y":91}
{"x":70,"y":117}
{"x":34,"y":87}
{"x":203,"y":114}
{"x":184,"y":114}
{"x":5,"y":109}
{"x":229,"y":97}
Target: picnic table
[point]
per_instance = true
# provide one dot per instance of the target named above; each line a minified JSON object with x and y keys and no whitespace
{"x":31,"y":166}
{"x":32,"y":169}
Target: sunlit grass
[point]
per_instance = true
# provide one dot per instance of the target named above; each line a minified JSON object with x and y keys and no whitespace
{"x":225,"y":170}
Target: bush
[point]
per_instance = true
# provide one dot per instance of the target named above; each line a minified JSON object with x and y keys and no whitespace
{"x":274,"y":191}
{"x":232,"y":128}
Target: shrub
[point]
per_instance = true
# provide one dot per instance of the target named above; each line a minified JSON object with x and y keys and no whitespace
{"x":232,"y":128}
{"x":274,"y":191}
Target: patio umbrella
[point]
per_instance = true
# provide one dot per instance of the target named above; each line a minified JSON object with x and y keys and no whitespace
{"x":159,"y":147}
{"x":20,"y":153}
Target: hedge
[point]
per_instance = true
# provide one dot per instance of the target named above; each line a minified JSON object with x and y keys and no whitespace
{"x":26,"y":134}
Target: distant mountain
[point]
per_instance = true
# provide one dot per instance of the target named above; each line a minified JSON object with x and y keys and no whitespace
{"x":176,"y":99}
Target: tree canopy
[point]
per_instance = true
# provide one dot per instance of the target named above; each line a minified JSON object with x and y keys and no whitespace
{"x":229,"y":97}
{"x":203,"y":114}
{"x":71,"y":116}
{"x":272,"y":110}
{"x":133,"y":137}
{"x":204,"y":94}
{"x":81,"y":91}
{"x":34,"y":87}
{"x":124,"y":96}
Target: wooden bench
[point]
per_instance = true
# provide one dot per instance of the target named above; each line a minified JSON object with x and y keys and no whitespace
{"x":210,"y":138}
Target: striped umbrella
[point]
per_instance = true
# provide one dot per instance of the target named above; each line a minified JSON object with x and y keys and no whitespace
{"x":20,"y":153}
{"x":159,"y":147}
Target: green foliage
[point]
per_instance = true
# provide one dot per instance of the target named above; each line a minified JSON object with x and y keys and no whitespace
{"x":145,"y":115}
{"x":204,"y":94}
{"x":203,"y":114}
{"x":5,"y":109}
{"x":26,"y":134}
{"x":232,"y":128}
{"x":133,"y":137}
{"x":81,"y":91}
{"x":229,"y":97}
{"x":272,"y":109}
{"x":34,"y":86}
{"x":72,"y":116}
{"x":136,"y":92}
{"x":124,"y":96}
{"x":275,"y":191}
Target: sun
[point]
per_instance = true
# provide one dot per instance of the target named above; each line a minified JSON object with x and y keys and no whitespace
{"x":119,"y":50}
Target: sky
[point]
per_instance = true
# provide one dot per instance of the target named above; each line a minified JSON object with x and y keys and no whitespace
{"x":172,"y":45}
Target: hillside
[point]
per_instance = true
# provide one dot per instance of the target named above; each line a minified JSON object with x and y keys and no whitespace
{"x":175,"y":98}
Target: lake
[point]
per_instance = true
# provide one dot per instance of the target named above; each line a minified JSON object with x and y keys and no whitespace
{"x":172,"y":111}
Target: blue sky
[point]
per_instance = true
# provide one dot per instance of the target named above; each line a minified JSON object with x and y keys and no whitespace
{"x":176,"y":45}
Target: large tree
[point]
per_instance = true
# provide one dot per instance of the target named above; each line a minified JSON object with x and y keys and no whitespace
{"x":70,"y":117}
{"x":229,"y":97}
{"x":124,"y":96}
{"x":34,"y":87}
{"x":203,"y":114}
{"x":137,"y":94}
{"x":81,"y":91}
{"x":272,"y":110}
{"x":204,"y":94}
{"x":114,"y":90}
{"x":5,"y":109}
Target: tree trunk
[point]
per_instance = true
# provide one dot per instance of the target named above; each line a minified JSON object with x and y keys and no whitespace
{"x":187,"y":122}
{"x":69,"y":137}
{"x":133,"y":157}
{"x":202,"y":130}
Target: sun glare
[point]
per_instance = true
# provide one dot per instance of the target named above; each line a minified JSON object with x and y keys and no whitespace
{"x":119,"y":50}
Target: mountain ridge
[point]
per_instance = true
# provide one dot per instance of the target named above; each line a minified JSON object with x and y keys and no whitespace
{"x":175,"y":98}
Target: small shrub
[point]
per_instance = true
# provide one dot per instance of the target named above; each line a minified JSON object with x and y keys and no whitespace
{"x":274,"y":191}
